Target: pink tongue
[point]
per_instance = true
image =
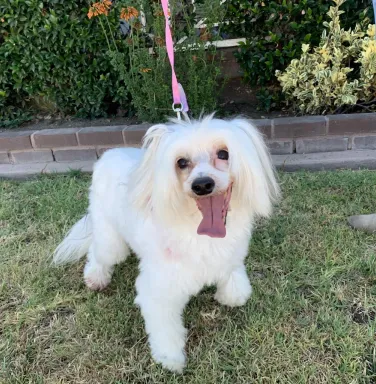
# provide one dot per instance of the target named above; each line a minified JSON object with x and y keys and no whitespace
{"x":212,"y":223}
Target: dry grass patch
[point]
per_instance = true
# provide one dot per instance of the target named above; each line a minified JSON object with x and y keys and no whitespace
{"x":311,"y":318}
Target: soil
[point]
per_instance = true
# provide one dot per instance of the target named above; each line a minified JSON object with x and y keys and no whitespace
{"x":361,"y":315}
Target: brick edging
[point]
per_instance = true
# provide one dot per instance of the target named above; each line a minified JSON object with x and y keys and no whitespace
{"x":286,"y":135}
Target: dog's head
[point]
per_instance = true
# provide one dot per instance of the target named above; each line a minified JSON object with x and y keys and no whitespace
{"x":209,"y":166}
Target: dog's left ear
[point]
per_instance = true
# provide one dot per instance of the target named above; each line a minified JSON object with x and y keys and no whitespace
{"x":143,"y":174}
{"x":256,"y":181}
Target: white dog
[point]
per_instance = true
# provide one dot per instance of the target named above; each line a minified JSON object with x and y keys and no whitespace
{"x":185,"y":204}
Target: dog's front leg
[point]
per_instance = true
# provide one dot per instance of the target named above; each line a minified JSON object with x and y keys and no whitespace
{"x":162,"y":304}
{"x":234,"y":289}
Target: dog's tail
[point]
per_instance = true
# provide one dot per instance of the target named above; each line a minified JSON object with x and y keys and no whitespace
{"x":76,"y":244}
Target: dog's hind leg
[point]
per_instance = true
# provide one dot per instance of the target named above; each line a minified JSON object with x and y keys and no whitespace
{"x":107,"y":249}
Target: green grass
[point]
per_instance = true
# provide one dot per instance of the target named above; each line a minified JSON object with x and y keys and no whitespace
{"x":310,"y":319}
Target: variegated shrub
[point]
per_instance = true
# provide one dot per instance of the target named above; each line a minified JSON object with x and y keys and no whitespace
{"x":340,"y":71}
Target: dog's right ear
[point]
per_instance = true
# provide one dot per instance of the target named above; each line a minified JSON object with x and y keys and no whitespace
{"x":142,"y":176}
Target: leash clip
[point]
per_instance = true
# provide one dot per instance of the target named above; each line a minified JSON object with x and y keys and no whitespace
{"x":177,"y":109}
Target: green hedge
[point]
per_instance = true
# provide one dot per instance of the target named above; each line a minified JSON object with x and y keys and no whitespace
{"x":276,"y":30}
{"x":52,"y":56}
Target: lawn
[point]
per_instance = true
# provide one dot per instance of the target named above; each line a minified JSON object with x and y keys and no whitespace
{"x":311,"y":318}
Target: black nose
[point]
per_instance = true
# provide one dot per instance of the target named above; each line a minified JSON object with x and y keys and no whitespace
{"x":203,"y":186}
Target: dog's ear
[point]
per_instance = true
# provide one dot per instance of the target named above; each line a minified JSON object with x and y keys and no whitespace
{"x":256,"y":184}
{"x":153,"y":137}
{"x":142,"y":177}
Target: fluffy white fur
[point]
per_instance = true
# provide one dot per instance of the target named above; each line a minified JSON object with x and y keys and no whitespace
{"x":141,"y":200}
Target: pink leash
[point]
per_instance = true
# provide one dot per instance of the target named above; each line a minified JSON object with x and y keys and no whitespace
{"x":180,"y":103}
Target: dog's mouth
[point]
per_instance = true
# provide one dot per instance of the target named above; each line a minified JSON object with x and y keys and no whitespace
{"x":214,"y":212}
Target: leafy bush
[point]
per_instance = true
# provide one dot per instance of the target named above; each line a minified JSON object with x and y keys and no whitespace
{"x":340,"y":71}
{"x":50,"y":50}
{"x":275,"y":31}
{"x":53,"y":56}
{"x":147,"y":74}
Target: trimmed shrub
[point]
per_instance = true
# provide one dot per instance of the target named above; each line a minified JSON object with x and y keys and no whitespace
{"x":92,"y":59}
{"x":52,"y":56}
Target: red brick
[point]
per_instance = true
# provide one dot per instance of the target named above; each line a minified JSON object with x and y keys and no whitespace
{"x":38,"y":156}
{"x":133,"y":134}
{"x":83,"y":166}
{"x":323,"y":144}
{"x":326,"y":161}
{"x":292,"y":127}
{"x":352,"y":124}
{"x":21,"y":171}
{"x":94,"y":136}
{"x":102,"y":150}
{"x":280,"y":147}
{"x":364,"y":142}
{"x":264,"y":126}
{"x":15,"y":140}
{"x":4,"y":158}
{"x":55,"y":138}
{"x":75,"y":154}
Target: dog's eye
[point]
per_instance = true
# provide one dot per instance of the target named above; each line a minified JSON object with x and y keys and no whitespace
{"x":183,"y":163}
{"x":222,"y":154}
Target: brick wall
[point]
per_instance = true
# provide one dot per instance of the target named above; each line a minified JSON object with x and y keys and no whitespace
{"x":300,"y":135}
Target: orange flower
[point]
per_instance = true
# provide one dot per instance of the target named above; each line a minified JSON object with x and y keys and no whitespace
{"x":128,"y":13}
{"x":159,"y":41}
{"x":100,"y":8}
{"x":145,"y":70}
{"x":204,"y":35}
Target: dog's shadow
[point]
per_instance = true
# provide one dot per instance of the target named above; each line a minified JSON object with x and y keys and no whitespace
{"x":112,"y":315}
{"x":202,"y":310}
{"x":203,"y":317}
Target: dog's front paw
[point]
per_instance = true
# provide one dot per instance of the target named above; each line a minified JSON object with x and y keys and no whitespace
{"x":172,"y":362}
{"x":96,"y":276}
{"x":236,"y":291}
{"x":234,"y":300}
